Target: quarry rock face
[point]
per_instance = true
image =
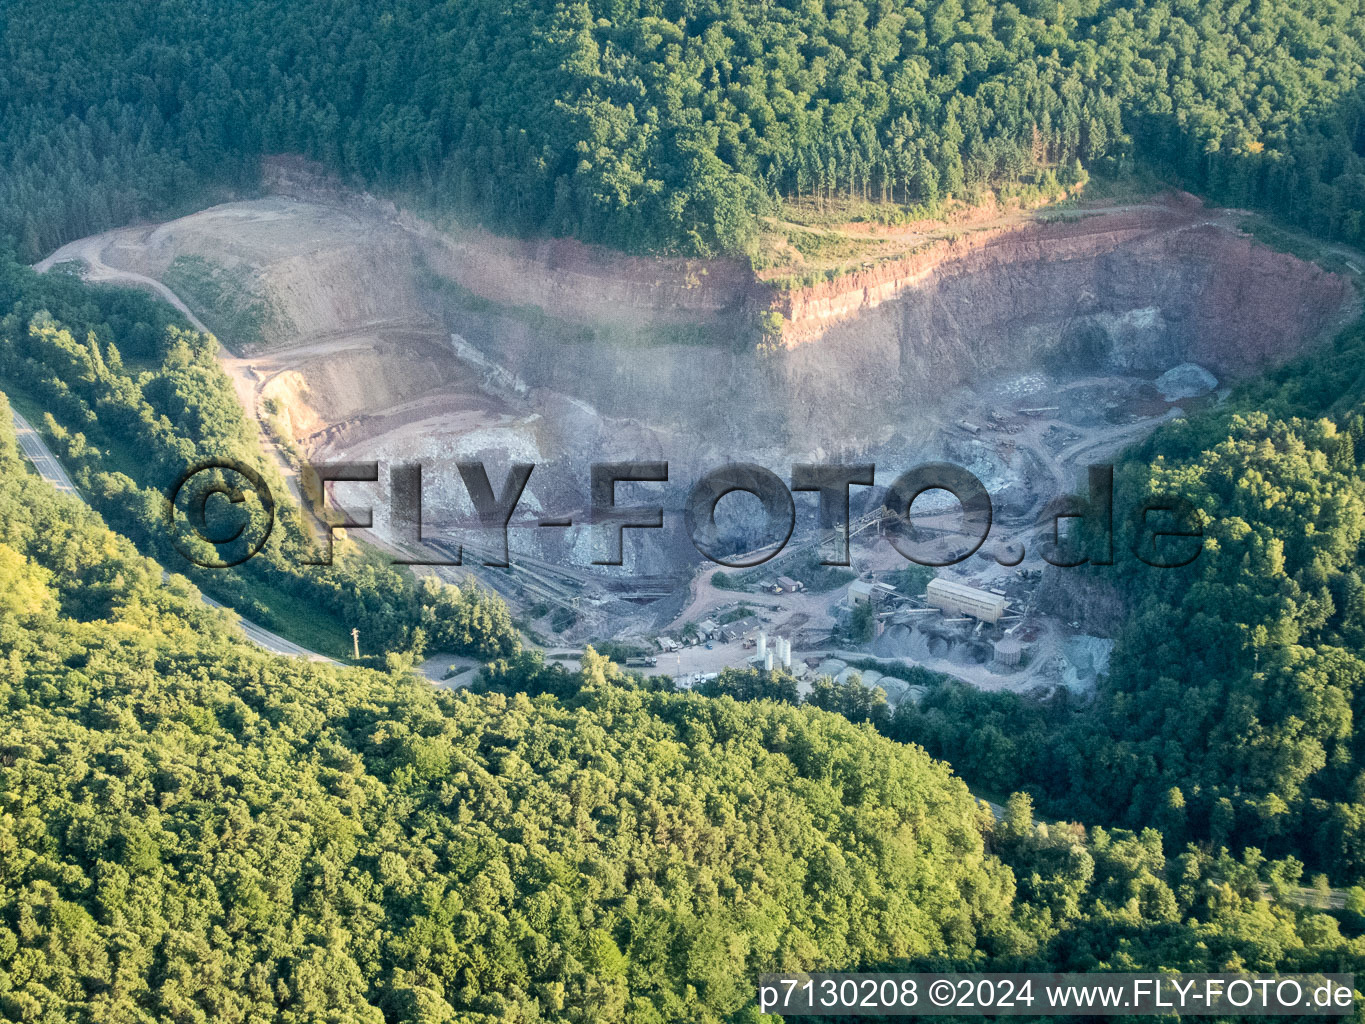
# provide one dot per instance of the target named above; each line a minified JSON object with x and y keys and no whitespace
{"x":407,"y":311}
{"x":422,"y":344}
{"x":1133,"y":293}
{"x":1096,"y":298}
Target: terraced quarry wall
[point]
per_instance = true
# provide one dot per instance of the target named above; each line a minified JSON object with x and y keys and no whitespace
{"x":375,"y":337}
{"x":1131,"y":292}
{"x":613,"y":351}
{"x":1136,"y":292}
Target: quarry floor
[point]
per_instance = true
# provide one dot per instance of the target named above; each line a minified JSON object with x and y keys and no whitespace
{"x":1028,"y":458}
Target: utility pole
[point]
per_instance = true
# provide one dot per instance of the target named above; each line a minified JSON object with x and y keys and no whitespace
{"x":355,"y":641}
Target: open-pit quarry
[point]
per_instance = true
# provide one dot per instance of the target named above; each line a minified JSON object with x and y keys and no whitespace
{"x":1023,"y":352}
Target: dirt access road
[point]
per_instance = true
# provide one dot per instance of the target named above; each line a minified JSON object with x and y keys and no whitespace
{"x":89,"y":252}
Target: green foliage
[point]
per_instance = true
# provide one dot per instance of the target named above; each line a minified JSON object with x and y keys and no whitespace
{"x":912,"y":580}
{"x":753,"y":684}
{"x":674,"y":126}
{"x":820,"y":578}
{"x":155,"y":422}
{"x":1229,"y":715}
{"x":230,"y":307}
{"x":770,"y":324}
{"x":851,"y":699}
{"x":862,"y":625}
{"x":618,"y":652}
{"x":465,"y":620}
{"x":192,"y":829}
{"x":742,"y":611}
{"x":726,"y":581}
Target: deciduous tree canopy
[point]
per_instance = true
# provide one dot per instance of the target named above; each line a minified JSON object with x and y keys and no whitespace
{"x":191,"y":829}
{"x":672,"y":124}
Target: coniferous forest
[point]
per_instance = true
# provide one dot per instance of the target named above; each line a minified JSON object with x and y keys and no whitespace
{"x":194,"y":830}
{"x":674,"y":124}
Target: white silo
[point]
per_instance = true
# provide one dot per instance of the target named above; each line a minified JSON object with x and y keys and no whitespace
{"x":768,"y":661}
{"x":762,"y":642}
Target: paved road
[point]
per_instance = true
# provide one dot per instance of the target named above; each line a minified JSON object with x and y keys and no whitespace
{"x":262,"y":637}
{"x":41,"y":456}
{"x":37,"y":452}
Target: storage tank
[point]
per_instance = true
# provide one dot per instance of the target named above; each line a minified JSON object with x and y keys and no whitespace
{"x":1009,"y":652}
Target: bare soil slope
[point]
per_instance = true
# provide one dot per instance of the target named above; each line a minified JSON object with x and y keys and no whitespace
{"x":374,"y":335}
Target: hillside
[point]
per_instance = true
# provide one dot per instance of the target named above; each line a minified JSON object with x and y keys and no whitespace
{"x":1030,"y":238}
{"x":190,"y":828}
{"x":193,"y":830}
{"x":675,"y":126}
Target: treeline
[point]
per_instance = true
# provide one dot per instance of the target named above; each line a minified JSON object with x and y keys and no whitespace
{"x":674,"y":124}
{"x":1233,"y":710}
{"x":192,"y":829}
{"x":134,"y":399}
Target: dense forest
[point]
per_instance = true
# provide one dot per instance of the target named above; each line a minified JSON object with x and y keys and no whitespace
{"x":673,"y":124}
{"x":1232,"y":711}
{"x":191,"y":829}
{"x":132,"y":397}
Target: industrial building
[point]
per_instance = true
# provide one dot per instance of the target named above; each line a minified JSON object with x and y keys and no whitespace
{"x":869,"y":592}
{"x":732,"y":631}
{"x":862,"y":592}
{"x":956,"y":599}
